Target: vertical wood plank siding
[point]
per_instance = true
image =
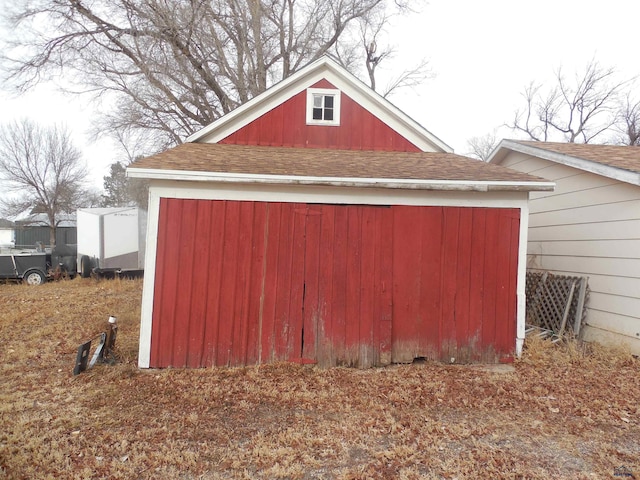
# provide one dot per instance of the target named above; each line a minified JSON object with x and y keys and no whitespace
{"x":285,"y":126}
{"x":241,"y":283}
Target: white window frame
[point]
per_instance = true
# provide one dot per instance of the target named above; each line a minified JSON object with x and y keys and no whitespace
{"x":311,"y":93}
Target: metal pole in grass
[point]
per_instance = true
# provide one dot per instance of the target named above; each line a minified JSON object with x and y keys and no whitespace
{"x":111,"y":337}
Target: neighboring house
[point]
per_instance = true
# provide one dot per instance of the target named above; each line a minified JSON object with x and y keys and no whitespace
{"x":317,"y":223}
{"x":589,"y":226}
{"x":7,"y":233}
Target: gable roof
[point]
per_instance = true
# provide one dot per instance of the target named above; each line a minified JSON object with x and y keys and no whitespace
{"x":323,"y":68}
{"x":613,"y":161}
{"x":306,"y":166}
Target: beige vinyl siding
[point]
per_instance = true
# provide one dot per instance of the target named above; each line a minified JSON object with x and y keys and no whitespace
{"x":624,"y":286}
{"x":586,"y":231}
{"x":627,"y":306}
{"x":601,"y":195}
{"x":620,"y":328}
{"x":574,"y":215}
{"x":580,"y":248}
{"x":610,"y":266}
{"x":590,"y":226}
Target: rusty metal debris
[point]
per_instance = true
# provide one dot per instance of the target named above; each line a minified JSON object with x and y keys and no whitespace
{"x":104,"y":352}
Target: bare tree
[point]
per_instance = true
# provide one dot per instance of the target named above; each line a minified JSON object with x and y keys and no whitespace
{"x":372,"y":28}
{"x":577,"y":110}
{"x":628,"y":122}
{"x":481,"y":147}
{"x":41,"y":172}
{"x":172,"y":67}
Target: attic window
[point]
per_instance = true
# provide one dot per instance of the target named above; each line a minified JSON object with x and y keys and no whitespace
{"x":323,"y":106}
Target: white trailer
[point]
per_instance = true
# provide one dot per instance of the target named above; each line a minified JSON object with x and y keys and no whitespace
{"x":110,"y":239}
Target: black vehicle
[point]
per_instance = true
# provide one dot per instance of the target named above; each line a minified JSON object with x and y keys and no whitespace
{"x":36,"y":267}
{"x":30,"y":267}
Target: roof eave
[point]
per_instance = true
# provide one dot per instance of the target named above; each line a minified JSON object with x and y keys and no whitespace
{"x":615,"y":173}
{"x":395,"y":183}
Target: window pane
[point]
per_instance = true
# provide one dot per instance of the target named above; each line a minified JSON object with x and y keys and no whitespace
{"x":317,"y":114}
{"x":328,"y":101}
{"x":317,"y":101}
{"x":328,"y":114}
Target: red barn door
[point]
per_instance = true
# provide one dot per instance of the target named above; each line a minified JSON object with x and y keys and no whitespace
{"x":240,"y":283}
{"x":455,"y":278}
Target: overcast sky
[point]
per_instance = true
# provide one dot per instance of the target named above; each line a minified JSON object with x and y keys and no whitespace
{"x":483,"y":53}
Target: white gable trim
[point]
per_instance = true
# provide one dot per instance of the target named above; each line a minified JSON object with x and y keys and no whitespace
{"x":604,"y":170}
{"x":323,"y":68}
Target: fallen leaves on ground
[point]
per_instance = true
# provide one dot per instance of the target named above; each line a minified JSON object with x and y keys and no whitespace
{"x":566,"y":411}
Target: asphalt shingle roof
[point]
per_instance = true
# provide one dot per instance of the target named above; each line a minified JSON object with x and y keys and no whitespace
{"x":308,"y":162}
{"x":623,"y":157}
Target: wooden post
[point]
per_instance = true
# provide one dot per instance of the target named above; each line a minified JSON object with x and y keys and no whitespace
{"x":580,"y":307}
{"x":567,"y":308}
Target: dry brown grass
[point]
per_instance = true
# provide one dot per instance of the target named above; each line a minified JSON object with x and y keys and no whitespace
{"x":561,"y":412}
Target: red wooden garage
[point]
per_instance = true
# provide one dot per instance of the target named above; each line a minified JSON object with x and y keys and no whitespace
{"x":319,"y":224}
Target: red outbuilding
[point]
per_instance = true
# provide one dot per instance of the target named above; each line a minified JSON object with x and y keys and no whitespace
{"x":317,"y":223}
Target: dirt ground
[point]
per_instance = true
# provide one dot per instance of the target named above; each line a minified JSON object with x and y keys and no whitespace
{"x":559,"y":412}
